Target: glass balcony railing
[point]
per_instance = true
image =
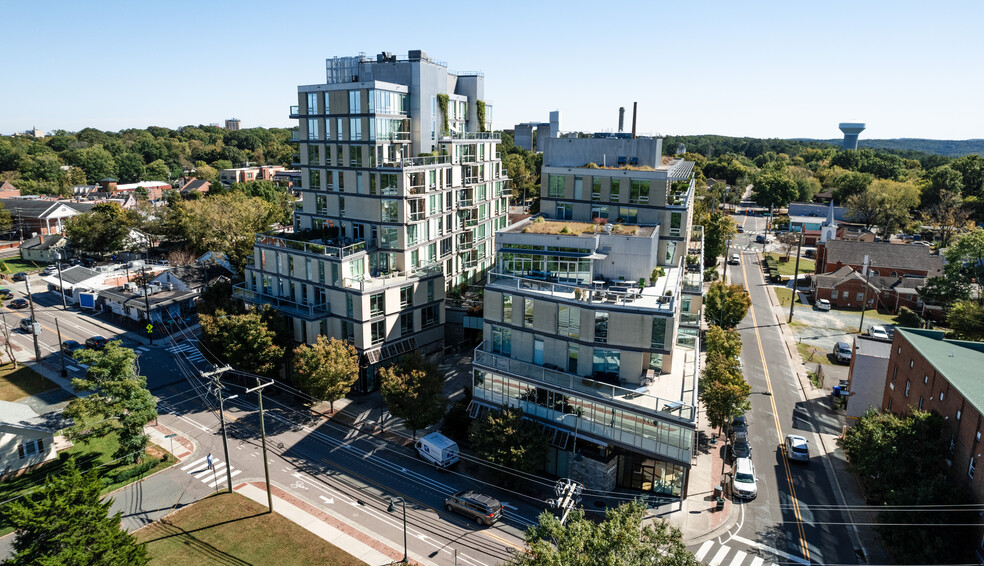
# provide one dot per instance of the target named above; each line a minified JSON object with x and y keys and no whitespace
{"x":690,"y":318}
{"x":335,"y":248}
{"x":491,"y":136}
{"x":295,"y":111}
{"x":306,"y":311}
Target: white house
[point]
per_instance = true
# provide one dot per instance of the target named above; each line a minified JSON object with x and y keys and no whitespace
{"x":26,"y":439}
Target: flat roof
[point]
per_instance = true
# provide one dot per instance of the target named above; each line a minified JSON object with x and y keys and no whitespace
{"x":575,"y":228}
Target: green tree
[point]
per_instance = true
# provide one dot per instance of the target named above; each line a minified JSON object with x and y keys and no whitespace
{"x":115,"y":399}
{"x":130,"y":167}
{"x":947,"y":214}
{"x":327,"y":369}
{"x":67,"y":522}
{"x":966,"y":319}
{"x":851,"y":183}
{"x":718,"y":229}
{"x":105,"y":229}
{"x":622,"y":539}
{"x":943,"y":179}
{"x":506,"y":438}
{"x":246,"y":341}
{"x":965,"y":258}
{"x":726,"y":341}
{"x":723,"y":401}
{"x":414,"y":391}
{"x":157,"y":170}
{"x":774,"y":188}
{"x":726,"y":305}
{"x":223,"y":223}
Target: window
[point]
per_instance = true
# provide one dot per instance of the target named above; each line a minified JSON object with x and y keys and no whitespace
{"x":973,"y":466}
{"x":538,"y":350}
{"x":599,"y":212}
{"x":601,"y":327}
{"x":406,"y":297}
{"x":907,"y":387}
{"x":606,"y":362}
{"x":659,"y":332}
{"x":388,"y":236}
{"x":895,"y":373}
{"x":406,"y":324}
{"x":377,"y":305}
{"x":890,"y":403}
{"x":629,"y":215}
{"x":578,"y":187}
{"x":926,"y":379}
{"x":430,"y":290}
{"x":501,"y":341}
{"x":833,"y":295}
{"x":860,"y":296}
{"x":556,"y":187}
{"x":389,"y":210}
{"x":596,"y":189}
{"x":312,"y":129}
{"x":314,"y":154}
{"x":675,"y":219}
{"x":378,"y":332}
{"x":314,"y":179}
{"x":429,"y":316}
{"x":958,"y":414}
{"x":920,"y":403}
{"x":507,"y":301}
{"x":349,"y":306}
{"x":341,"y":206}
{"x":30,"y":448}
{"x":572,"y":354}
{"x":941,"y":395}
{"x":639,"y":192}
{"x":911,"y":363}
{"x":569,"y":321}
{"x":355,"y":102}
{"x":355,"y":155}
{"x":312,"y":103}
{"x":528,"y":313}
{"x":613,"y":192}
{"x":565,"y":211}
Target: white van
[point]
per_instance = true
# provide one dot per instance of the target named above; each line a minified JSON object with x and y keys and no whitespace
{"x":438,"y":449}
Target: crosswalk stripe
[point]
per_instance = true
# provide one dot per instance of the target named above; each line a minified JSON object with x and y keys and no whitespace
{"x":738,"y":559}
{"x":757,"y":561}
{"x":704,"y":549}
{"x":193,"y":464}
{"x":719,"y":556}
{"x":223,"y":478}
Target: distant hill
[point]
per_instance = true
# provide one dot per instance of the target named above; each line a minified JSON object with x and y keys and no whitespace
{"x":949,"y":148}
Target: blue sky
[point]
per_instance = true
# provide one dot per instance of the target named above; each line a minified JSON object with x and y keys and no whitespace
{"x":755,"y":68}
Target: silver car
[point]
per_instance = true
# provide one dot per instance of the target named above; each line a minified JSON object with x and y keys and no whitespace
{"x":483,"y":509}
{"x":797,"y":448}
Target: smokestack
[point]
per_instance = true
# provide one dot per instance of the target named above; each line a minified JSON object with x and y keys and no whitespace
{"x":635,"y":108}
{"x":621,"y":118}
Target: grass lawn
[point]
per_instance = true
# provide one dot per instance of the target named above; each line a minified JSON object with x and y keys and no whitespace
{"x":228,"y":528}
{"x":25,"y":381}
{"x":874,"y":316}
{"x":786,"y":268}
{"x":784,"y":295}
{"x":18,"y":265}
{"x":811,"y":354}
{"x":98,"y":452}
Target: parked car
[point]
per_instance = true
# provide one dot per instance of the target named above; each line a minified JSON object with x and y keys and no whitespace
{"x":69,"y":346}
{"x":843,"y":352}
{"x":29,"y":326}
{"x":18,"y":304}
{"x":739,"y":428}
{"x":811,"y":253}
{"x":6,"y":293}
{"x":50,"y":270}
{"x":741,"y":449}
{"x":761,"y":239}
{"x":19,"y":276}
{"x":878,"y":332}
{"x":796,"y":448}
{"x":743,"y":482}
{"x":96,"y":343}
{"x":483,"y":509}
{"x":823,"y":305}
{"x":735,"y":259}
{"x":741,"y":230}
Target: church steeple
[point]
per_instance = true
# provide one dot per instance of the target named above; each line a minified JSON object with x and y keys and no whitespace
{"x":828,"y":230}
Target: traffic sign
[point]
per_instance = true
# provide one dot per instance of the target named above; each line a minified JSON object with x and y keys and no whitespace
{"x":170,"y":435}
{"x":150,"y":328}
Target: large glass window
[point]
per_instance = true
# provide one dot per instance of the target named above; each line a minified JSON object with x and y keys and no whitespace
{"x":388,"y":237}
{"x":596,"y":189}
{"x":312,"y":103}
{"x":659,"y":332}
{"x":601,"y":327}
{"x":599,"y":212}
{"x":639,"y":192}
{"x":578,"y":187}
{"x":378,"y":331}
{"x":355,"y":130}
{"x":606,"y":362}
{"x":312,"y":129}
{"x":314,"y":154}
{"x":406,"y":324}
{"x":569,"y":321}
{"x":377,"y":304}
{"x":565,"y":211}
{"x":501,"y":341}
{"x":355,"y":102}
{"x":629,"y":215}
{"x":613,"y":193}
{"x":390,"y":210}
{"x":556,"y":188}
{"x":675,"y":220}
{"x":528,"y":312}
{"x":507,"y":302}
{"x":429,"y":316}
{"x":406,"y":296}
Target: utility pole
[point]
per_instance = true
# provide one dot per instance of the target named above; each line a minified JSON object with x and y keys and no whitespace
{"x":34,"y":321}
{"x":146,"y":288}
{"x":216,"y":375}
{"x":266,"y":466}
{"x":64,"y":372}
{"x":568,"y":496}
{"x":61,"y":284}
{"x":796,"y":271}
{"x":727,"y":251}
{"x":864,"y":304}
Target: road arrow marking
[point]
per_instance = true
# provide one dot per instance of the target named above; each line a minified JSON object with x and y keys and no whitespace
{"x":328,"y":500}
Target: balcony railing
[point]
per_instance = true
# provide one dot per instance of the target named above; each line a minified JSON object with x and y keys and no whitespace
{"x":293,"y":308}
{"x":585,"y":384}
{"x":391,"y":278}
{"x":607,"y":296}
{"x":690,"y":318}
{"x":311,"y":247}
{"x":491,"y":136}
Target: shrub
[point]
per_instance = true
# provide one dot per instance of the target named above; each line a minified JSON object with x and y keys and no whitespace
{"x":909,"y":318}
{"x":710,"y":274}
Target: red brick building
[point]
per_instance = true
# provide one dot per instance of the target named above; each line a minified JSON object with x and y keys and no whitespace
{"x":890,"y":260}
{"x":844,"y":288}
{"x":928,"y":372}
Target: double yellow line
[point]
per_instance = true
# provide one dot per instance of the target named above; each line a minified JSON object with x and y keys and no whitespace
{"x":775,"y":415}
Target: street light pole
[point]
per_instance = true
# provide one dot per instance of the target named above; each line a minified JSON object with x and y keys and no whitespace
{"x":796,"y":270}
{"x":61,"y":350}
{"x":266,"y":465}
{"x":225,"y":439}
{"x":61,"y":284}
{"x":390,"y":509}
{"x":34,"y":332}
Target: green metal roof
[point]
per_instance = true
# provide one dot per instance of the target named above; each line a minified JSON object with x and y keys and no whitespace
{"x":959,"y":361}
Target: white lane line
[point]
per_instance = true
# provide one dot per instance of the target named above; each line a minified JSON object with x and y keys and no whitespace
{"x":761,"y":546}
{"x":719,"y":556}
{"x":738,"y":559}
{"x":222,"y":479}
{"x":704,"y":549}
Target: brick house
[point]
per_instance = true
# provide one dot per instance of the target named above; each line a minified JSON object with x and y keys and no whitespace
{"x":928,"y":372}
{"x":844,"y":288}
{"x":892,"y":260}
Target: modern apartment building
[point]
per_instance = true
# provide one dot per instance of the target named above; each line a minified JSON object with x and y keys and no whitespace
{"x":578,"y":333}
{"x":402,"y":190}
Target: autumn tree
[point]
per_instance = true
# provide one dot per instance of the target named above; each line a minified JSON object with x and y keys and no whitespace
{"x":246,"y":341}
{"x":506,"y":438}
{"x":947,"y":215}
{"x":414,"y":391}
{"x":67,"y":521}
{"x":623,"y":538}
{"x":327,"y":369}
{"x":726,"y":305}
{"x":112,"y":398}
{"x":106,"y":229}
{"x":223,"y":223}
{"x":726,"y":341}
{"x":723,"y":389}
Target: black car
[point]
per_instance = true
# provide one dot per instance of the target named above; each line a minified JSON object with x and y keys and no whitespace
{"x":96,"y":343}
{"x":18,"y":304}
{"x":741,"y":449}
{"x":69,"y":346}
{"x":739,"y":427}
{"x":740,"y":229}
{"x":6,"y":293}
{"x":20,"y":276}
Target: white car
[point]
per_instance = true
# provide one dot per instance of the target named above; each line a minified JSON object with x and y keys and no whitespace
{"x":878,"y":332}
{"x":796,"y":448}
{"x":823,"y":305}
{"x":735,"y":259}
{"x":743,"y":483}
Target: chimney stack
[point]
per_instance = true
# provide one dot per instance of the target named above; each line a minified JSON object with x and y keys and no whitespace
{"x":621,"y":118}
{"x":635,"y":108}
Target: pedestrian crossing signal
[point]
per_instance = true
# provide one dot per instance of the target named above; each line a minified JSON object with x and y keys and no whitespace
{"x":150,"y":328}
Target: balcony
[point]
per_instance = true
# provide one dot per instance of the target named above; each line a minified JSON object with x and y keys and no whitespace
{"x":392,"y":278}
{"x":690,"y":318}
{"x":465,"y":242}
{"x":284,"y":305}
{"x":607,"y":294}
{"x":628,"y":397}
{"x":295,"y":112}
{"x":335,"y":248}
{"x":489,"y":136}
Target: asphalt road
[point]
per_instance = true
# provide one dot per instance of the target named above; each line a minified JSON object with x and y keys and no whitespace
{"x":790,"y":514}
